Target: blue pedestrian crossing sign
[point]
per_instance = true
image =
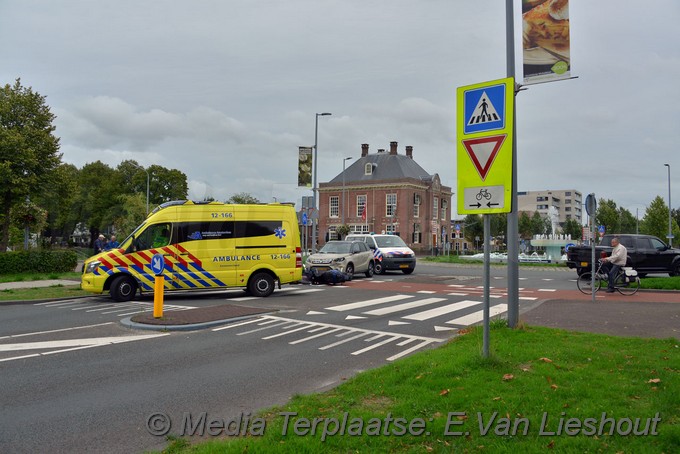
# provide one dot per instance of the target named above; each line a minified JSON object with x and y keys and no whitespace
{"x":157,"y":264}
{"x":304,"y":218}
{"x":484,"y":109}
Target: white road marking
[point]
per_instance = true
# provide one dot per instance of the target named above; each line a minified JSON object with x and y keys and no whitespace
{"x":315,"y":313}
{"x":409,"y":350}
{"x":373,"y":302}
{"x":426,"y":291}
{"x":397,"y":322}
{"x":379,"y":344}
{"x":404,"y":306}
{"x":305,"y":339}
{"x":36,"y":333}
{"x":547,"y":290}
{"x":420,"y":316}
{"x":475,"y":317}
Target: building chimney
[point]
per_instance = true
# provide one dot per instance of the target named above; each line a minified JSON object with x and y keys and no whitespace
{"x":364,"y":150}
{"x":393,"y":148}
{"x":381,"y":150}
{"x":409,"y":151}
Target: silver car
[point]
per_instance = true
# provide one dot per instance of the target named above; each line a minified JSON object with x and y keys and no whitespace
{"x":346,"y":256}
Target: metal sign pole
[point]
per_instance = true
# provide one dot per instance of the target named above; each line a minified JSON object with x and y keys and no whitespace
{"x":487,"y":281}
{"x":593,"y":268}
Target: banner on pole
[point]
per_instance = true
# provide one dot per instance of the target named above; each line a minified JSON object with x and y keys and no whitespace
{"x":545,"y":40}
{"x":305,"y":167}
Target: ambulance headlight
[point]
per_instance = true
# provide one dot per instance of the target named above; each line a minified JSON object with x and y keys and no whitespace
{"x":92,"y":266}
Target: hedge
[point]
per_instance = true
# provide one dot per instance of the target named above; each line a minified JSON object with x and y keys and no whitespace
{"x":47,"y":261}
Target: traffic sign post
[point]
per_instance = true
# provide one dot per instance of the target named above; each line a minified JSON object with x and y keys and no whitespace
{"x":484,"y":156}
{"x":484,"y":148}
{"x":158,"y":266}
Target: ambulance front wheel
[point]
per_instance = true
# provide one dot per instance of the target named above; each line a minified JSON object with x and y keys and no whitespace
{"x":123,"y":288}
{"x":261,"y":284}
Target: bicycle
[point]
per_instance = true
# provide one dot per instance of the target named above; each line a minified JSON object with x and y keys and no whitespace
{"x":627,"y":281}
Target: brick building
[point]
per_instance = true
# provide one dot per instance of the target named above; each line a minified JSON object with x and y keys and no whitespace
{"x":387,"y":192}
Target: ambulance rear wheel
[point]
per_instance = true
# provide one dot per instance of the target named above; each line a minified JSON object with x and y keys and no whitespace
{"x":261,"y":284}
{"x":123,"y":288}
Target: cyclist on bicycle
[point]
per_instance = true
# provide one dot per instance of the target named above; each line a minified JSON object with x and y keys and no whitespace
{"x":614,"y":262}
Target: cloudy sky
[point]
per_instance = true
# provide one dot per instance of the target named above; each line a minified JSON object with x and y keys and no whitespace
{"x":226,"y":90}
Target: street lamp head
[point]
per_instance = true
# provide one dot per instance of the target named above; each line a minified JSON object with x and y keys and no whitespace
{"x":667,"y":165}
{"x":323,"y":114}
{"x":348,"y":158}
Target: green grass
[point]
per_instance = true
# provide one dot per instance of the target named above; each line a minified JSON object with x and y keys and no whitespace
{"x":26,"y":277}
{"x":52,"y":292}
{"x":661,"y":283}
{"x":532,"y":372}
{"x":459,"y":260}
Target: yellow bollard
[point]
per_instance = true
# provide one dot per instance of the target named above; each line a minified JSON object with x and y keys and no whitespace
{"x":159,"y":284}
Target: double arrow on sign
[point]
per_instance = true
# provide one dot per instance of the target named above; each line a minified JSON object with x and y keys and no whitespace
{"x":479,"y":205}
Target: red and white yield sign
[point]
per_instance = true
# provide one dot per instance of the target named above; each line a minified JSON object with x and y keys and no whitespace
{"x":484,"y":147}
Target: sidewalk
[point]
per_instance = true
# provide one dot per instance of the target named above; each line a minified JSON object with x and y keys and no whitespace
{"x":37,"y":284}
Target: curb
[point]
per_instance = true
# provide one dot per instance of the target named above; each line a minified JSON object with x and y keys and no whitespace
{"x":188,"y":327}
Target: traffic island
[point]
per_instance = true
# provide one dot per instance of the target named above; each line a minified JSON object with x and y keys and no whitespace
{"x":193,"y":319}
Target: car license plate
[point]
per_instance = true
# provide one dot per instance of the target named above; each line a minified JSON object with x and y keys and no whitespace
{"x":584,"y":263}
{"x":403,"y":266}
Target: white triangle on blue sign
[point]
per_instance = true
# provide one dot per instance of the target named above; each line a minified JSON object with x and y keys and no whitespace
{"x":484,"y":112}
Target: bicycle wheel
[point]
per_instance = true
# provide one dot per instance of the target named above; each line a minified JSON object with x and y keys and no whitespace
{"x":624,"y":287}
{"x":585,"y":284}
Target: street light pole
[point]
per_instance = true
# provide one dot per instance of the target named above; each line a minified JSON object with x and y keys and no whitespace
{"x":343,"y":188}
{"x":315,"y":222}
{"x":670,"y":229}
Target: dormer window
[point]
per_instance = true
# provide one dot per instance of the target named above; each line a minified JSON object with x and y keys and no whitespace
{"x":368,"y":169}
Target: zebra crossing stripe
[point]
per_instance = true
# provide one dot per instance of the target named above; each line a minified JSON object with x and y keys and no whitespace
{"x":373,"y":302}
{"x":404,"y":306}
{"x":376,"y":345}
{"x":475,"y":317}
{"x":432,"y":313}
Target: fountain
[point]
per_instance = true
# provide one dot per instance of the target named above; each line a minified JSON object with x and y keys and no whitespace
{"x":552,"y":243}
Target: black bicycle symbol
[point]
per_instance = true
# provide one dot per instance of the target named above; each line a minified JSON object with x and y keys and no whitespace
{"x":483,"y":193}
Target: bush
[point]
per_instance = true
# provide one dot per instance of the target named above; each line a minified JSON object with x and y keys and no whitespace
{"x":51,"y":261}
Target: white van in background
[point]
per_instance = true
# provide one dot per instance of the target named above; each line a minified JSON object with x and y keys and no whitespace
{"x":390,"y":252}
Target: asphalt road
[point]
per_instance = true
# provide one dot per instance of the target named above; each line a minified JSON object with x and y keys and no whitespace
{"x":74,"y":379}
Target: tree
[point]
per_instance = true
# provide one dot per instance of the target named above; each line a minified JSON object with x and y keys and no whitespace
{"x":342,"y":231}
{"x":167,"y":185}
{"x":572,"y":227}
{"x":538,"y":224}
{"x":525,"y":227}
{"x":608,"y":215}
{"x":29,"y":151}
{"x":627,"y":222}
{"x":242,"y":198}
{"x":58,"y":201}
{"x":655,"y":221}
{"x":131,"y":211}
{"x":473,"y":229}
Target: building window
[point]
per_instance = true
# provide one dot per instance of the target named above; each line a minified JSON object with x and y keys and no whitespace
{"x":416,"y":205}
{"x":436,"y":208}
{"x":541,"y":207}
{"x":361,"y":204}
{"x":567,"y":202}
{"x":567,"y":193}
{"x":567,"y":209}
{"x":417,"y":234}
{"x":390,"y":204}
{"x":368,"y":169}
{"x":390,"y":229}
{"x":359,"y":228}
{"x":334,"y":205}
{"x":445,"y":205}
{"x":332,"y":234}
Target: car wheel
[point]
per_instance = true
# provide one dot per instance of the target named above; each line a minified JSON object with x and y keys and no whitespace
{"x":370,"y":270}
{"x":349,"y":269}
{"x":123,"y":288}
{"x":261,"y":284}
{"x":379,"y":268}
{"x":675,"y":270}
{"x":407,"y":270}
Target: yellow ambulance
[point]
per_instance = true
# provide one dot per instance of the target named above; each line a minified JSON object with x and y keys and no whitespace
{"x":204,"y":245}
